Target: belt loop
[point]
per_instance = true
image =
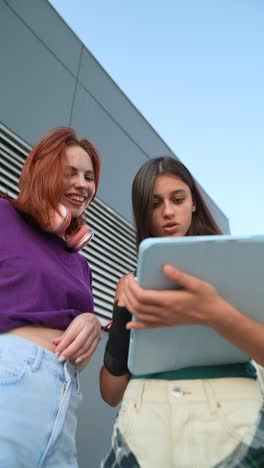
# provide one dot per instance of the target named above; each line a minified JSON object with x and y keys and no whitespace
{"x":210,"y":395}
{"x":70,"y":371}
{"x":67,"y":374}
{"x":140,"y":391}
{"x":38,"y":359}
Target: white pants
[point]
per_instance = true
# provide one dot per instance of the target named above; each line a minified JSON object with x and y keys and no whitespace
{"x":187,"y":423}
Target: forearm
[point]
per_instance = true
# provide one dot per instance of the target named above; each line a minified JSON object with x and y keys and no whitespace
{"x":243,"y":332}
{"x":114,"y":375}
{"x":112,"y":387}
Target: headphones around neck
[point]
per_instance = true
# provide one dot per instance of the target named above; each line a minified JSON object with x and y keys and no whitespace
{"x":60,"y":223}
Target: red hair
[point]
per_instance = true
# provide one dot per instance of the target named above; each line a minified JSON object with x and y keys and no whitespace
{"x":42,"y":182}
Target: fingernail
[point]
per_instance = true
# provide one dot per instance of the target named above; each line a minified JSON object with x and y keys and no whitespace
{"x":78,"y":360}
{"x":57,"y":354}
{"x":61,"y":359}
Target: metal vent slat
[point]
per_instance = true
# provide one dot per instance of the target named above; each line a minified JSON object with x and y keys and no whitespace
{"x":107,"y":211}
{"x":112,"y":223}
{"x":9,"y":160}
{"x":118,"y":240}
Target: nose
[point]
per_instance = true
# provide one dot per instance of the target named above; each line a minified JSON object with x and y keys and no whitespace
{"x":81,"y":181}
{"x":168,"y":209}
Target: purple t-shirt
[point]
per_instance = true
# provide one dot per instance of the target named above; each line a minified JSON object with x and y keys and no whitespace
{"x":41,"y":282}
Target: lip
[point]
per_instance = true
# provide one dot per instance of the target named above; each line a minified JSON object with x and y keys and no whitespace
{"x":171,"y":228}
{"x":75,"y":202}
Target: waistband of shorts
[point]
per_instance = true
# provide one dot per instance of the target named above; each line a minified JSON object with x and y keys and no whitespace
{"x":242,"y":369}
{"x":186,"y":391}
{"x":21,"y":348}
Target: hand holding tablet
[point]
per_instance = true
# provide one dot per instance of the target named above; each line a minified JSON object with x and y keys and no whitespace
{"x":232,"y":264}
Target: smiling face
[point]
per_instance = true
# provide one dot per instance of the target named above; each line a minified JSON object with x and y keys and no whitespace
{"x":79,"y":180}
{"x":172,"y":207}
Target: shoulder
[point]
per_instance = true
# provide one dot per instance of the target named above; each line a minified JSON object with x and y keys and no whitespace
{"x":9,"y":214}
{"x":4,"y":196}
{"x":4,"y":202}
{"x":9,"y":219}
{"x":6,"y":207}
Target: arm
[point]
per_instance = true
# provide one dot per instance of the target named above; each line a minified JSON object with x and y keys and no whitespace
{"x":79,"y":341}
{"x":114,"y":374}
{"x":112,"y":387}
{"x":198,"y":303}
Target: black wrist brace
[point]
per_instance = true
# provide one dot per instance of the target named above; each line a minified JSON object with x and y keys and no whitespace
{"x":116,"y":350}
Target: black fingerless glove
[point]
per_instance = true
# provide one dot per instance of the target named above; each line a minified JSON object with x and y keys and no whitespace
{"x":116,"y":350}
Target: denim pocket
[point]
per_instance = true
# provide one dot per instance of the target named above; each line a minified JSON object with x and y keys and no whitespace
{"x":11,"y":370}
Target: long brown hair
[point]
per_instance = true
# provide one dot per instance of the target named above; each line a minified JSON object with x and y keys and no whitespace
{"x":202,"y":223}
{"x":42,"y":181}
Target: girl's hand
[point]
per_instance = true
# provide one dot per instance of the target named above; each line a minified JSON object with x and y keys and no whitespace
{"x":80,"y":339}
{"x":196,"y":303}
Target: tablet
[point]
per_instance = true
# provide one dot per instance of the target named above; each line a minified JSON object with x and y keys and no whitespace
{"x":234,"y":265}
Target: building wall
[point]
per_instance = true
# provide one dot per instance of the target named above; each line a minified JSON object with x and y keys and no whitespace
{"x":48,"y":79}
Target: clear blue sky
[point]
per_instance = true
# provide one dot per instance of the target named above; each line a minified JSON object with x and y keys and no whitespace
{"x":195,"y":70}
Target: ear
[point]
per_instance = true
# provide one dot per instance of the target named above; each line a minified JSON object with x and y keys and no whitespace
{"x":193,"y":207}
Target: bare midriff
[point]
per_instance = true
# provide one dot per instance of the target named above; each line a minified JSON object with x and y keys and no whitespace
{"x":43,"y":336}
{"x":40,"y":335}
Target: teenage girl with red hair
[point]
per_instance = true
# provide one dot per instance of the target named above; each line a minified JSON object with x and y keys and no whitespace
{"x":48,"y":328}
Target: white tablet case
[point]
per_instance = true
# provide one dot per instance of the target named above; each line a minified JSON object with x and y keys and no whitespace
{"x":235,"y":265}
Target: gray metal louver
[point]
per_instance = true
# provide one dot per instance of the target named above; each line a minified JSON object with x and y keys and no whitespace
{"x":111,"y":254}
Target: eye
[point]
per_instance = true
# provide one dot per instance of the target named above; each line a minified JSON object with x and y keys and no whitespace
{"x":70,"y":173}
{"x":67,"y":174}
{"x":89,"y":177}
{"x":155,"y":204}
{"x":178,"y":200}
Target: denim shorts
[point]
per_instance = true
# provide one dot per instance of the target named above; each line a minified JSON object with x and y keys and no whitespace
{"x":39,"y":399}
